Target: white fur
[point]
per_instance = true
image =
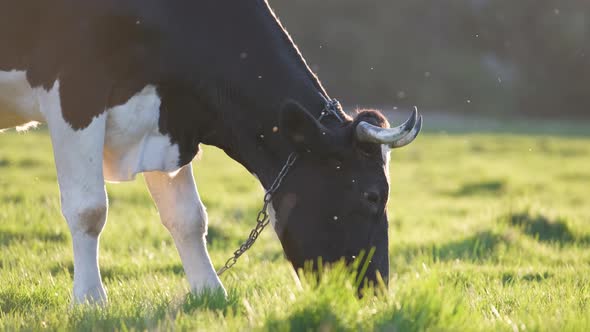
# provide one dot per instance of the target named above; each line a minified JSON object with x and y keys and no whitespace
{"x":133,"y":143}
{"x":123,"y":141}
{"x":272,"y":215}
{"x":185,"y":217}
{"x":19,"y":104}
{"x":386,"y":154}
{"x":78,"y":158}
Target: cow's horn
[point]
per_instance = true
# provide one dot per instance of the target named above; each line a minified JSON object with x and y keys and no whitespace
{"x":395,"y":137}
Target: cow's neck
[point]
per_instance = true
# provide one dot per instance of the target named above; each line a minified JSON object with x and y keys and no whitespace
{"x":252,"y":137}
{"x":250,"y":97}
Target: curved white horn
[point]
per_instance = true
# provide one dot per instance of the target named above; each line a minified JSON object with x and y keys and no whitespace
{"x":409,"y":138}
{"x":395,"y":137}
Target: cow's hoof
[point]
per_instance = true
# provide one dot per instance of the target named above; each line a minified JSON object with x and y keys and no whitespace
{"x":93,"y":296}
{"x":217,"y":290}
{"x":216,"y":296}
{"x":210,"y":287}
{"x":208,"y":283}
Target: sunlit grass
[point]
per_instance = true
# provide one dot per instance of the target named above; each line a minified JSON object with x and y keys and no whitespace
{"x":488,"y":232}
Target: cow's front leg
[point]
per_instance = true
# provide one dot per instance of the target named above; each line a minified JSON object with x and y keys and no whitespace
{"x":78,"y":158}
{"x":184,"y":215}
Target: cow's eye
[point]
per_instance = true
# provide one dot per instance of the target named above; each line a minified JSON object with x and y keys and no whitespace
{"x":368,"y":149}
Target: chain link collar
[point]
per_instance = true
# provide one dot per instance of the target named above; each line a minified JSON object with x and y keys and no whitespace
{"x":332,"y":108}
{"x":262,"y":219}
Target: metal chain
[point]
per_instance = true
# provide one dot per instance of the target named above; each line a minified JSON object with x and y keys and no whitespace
{"x":332,"y":108}
{"x":262,"y":219}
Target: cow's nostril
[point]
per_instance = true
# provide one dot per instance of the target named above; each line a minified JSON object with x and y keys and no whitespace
{"x":372,"y":197}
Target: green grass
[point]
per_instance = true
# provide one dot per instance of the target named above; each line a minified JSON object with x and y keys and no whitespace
{"x":488,"y":232}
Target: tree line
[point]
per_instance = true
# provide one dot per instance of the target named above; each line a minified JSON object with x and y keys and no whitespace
{"x":478,"y":56}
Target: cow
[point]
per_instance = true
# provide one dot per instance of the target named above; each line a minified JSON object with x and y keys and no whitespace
{"x":135,"y":86}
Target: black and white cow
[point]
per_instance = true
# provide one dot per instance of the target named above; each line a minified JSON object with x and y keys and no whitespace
{"x":134,"y":86}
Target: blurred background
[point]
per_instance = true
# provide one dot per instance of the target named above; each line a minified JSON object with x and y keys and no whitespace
{"x":489,"y":214}
{"x":495,"y":59}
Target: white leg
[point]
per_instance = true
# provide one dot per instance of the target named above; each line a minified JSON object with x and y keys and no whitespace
{"x":184,"y":215}
{"x":78,"y":158}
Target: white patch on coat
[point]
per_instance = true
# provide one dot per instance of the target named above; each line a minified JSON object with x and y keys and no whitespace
{"x":19,"y":103}
{"x":133,"y":143}
{"x":386,"y":154}
{"x":272,"y":216}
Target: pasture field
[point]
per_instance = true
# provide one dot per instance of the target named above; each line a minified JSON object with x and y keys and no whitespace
{"x":487,"y":232}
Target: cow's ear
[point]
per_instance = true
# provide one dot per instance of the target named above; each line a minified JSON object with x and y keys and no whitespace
{"x":300,"y":128}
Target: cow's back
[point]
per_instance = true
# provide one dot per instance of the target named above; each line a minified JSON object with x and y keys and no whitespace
{"x":97,"y":50}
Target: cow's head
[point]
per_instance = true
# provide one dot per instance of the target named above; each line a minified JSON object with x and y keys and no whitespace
{"x":333,"y":202}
